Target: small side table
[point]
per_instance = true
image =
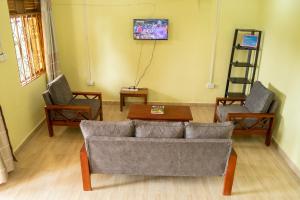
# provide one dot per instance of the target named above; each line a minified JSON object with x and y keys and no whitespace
{"x":141,"y":92}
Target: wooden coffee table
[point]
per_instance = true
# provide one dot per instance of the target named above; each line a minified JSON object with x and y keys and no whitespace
{"x":171,"y":113}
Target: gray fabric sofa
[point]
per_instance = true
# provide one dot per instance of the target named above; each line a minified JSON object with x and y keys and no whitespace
{"x":157,"y":149}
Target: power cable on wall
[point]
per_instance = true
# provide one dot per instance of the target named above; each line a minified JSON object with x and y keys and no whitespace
{"x":214,"y":42}
{"x":147,"y":67}
{"x":138,"y":64}
{"x":86,"y":33}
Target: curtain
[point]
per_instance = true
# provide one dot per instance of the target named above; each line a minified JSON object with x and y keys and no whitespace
{"x":50,"y":48}
{"x":6,"y":156}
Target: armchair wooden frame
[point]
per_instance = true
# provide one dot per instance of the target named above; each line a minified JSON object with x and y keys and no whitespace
{"x":82,"y":112}
{"x":262,"y":126}
{"x":228,"y":176}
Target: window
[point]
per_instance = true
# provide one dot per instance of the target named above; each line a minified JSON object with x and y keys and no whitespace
{"x":28,"y":40}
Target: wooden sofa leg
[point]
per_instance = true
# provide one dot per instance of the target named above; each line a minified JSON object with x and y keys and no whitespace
{"x":49,"y":124}
{"x":229,"y":174}
{"x":85,"y":170}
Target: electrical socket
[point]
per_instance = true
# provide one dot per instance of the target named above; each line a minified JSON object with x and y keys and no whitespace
{"x":210,"y":85}
{"x":90,"y":83}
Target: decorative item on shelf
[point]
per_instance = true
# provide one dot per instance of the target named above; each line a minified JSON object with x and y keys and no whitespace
{"x":249,"y":41}
{"x":157,"y":110}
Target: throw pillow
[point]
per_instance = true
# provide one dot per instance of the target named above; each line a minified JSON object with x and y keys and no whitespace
{"x":152,"y":129}
{"x":110,"y":129}
{"x":195,"y":130}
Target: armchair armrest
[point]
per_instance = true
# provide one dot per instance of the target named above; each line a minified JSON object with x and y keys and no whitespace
{"x":78,"y":109}
{"x":86,"y":93}
{"x":262,"y":121}
{"x":232,"y":116}
{"x":224,"y":100}
{"x":68,"y":107}
{"x":89,"y":95}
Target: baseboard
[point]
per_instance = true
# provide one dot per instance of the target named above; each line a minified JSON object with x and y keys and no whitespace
{"x":161,"y":103}
{"x":289,"y":162}
{"x":29,"y":136}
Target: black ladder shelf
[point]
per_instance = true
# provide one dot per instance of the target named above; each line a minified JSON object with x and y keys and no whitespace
{"x":249,"y":64}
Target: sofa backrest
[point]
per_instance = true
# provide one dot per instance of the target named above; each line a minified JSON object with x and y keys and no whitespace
{"x":156,"y":156}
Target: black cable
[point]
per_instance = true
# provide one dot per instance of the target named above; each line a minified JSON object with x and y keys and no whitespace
{"x":138,"y":65}
{"x":147,"y":67}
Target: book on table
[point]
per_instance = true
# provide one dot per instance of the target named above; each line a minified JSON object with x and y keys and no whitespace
{"x":157,"y":110}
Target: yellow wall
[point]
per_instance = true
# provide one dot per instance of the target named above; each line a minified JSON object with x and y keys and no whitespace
{"x":280,"y":69}
{"x":180,"y":68}
{"x":22,"y":106}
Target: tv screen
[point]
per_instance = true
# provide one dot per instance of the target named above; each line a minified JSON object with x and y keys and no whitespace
{"x":150,"y":29}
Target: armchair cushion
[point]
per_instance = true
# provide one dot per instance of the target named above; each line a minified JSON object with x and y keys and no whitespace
{"x":208,"y":130}
{"x":70,"y":114}
{"x":259,"y":99}
{"x":60,"y":91}
{"x":222,"y":111}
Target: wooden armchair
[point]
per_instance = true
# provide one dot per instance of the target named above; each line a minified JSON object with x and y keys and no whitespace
{"x":66,"y":108}
{"x":251,"y":115}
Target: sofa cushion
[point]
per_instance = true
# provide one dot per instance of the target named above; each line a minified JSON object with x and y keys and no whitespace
{"x":60,"y":91}
{"x":259,"y":99}
{"x":111,"y":129}
{"x":152,"y":129}
{"x":195,"y":130}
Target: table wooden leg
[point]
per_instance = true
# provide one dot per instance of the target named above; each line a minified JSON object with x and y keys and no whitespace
{"x":145,"y":100}
{"x":121,"y":102}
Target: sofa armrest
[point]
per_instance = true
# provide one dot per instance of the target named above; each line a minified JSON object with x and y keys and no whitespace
{"x":85,"y":169}
{"x":229,"y":173}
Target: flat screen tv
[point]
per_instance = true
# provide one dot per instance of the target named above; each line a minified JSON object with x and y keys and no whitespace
{"x":150,"y":29}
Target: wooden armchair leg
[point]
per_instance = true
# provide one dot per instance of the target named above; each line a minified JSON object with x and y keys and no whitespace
{"x":101,"y":115}
{"x":269,"y":133}
{"x":49,"y":124}
{"x":229,"y":174}
{"x":85,"y":170}
{"x":215,"y":118}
